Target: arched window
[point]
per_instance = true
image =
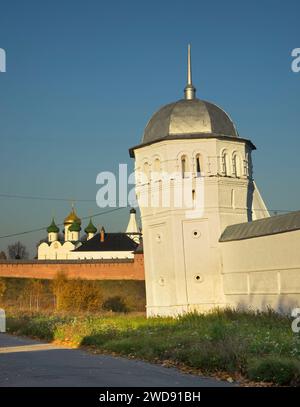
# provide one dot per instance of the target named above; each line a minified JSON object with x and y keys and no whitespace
{"x":224,"y":163}
{"x":146,"y":171}
{"x":198,"y":165}
{"x":184,"y":166}
{"x":246,"y":172}
{"x":193,"y":195}
{"x":156,"y":165}
{"x":238,"y":165}
{"x":156,"y":169}
{"x":234,"y":165}
{"x":248,"y":165}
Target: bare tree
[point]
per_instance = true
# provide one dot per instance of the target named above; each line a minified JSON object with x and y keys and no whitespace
{"x":17,"y":251}
{"x":3,"y":255}
{"x":35,"y":291}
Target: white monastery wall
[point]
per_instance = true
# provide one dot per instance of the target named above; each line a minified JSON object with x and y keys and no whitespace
{"x":262,"y":272}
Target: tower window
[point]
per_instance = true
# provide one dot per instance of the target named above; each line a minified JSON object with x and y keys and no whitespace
{"x":234,"y":169}
{"x":156,"y":169}
{"x":146,"y":171}
{"x":247,"y":165}
{"x":198,"y":165}
{"x":184,"y":166}
{"x":246,"y":168}
{"x":157,"y":164}
{"x":224,"y":163}
{"x":236,"y":165}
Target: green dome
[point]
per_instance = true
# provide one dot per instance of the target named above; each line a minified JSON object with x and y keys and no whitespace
{"x":90,"y":228}
{"x":52,"y":228}
{"x":75,"y":227}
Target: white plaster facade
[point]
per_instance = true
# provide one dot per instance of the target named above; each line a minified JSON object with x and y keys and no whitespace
{"x":232,"y":253}
{"x":55,"y":249}
{"x":101,"y":255}
{"x":262,"y":272}
{"x":182,"y":255}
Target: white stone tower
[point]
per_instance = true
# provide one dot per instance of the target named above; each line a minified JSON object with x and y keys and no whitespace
{"x":90,"y":230}
{"x":72,"y":218}
{"x":53,"y":231}
{"x":132,"y":227}
{"x":194,"y":144}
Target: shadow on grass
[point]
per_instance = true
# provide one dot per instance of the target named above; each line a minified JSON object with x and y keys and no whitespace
{"x":247,"y":343}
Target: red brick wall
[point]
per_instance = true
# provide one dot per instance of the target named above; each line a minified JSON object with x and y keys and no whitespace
{"x":85,"y":269}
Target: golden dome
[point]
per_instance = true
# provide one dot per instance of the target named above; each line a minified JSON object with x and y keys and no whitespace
{"x":72,"y":217}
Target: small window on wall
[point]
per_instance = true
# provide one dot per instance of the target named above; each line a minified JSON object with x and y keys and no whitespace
{"x":250,"y":167}
{"x":198,"y":165}
{"x":236,"y":165}
{"x":247,"y":165}
{"x":184,"y":166}
{"x":156,"y":169}
{"x":224,"y":163}
{"x":234,"y":169}
{"x":146,"y":171}
{"x":246,"y":173}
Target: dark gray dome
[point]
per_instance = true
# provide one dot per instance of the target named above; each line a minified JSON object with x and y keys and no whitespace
{"x":187,"y":117}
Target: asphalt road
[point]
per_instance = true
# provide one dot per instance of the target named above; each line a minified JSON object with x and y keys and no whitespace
{"x":24,"y":362}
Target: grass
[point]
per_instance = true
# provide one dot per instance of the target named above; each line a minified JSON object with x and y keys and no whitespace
{"x":258,"y":346}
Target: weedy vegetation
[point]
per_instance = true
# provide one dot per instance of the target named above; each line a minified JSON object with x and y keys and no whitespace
{"x":259,"y":346}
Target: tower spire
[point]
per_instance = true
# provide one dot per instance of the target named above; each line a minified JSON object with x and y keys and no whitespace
{"x":189,"y":90}
{"x":189,"y":76}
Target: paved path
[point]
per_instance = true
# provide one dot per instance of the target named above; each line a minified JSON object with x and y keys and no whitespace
{"x":24,"y":362}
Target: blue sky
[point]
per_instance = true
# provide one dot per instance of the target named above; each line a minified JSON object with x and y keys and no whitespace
{"x":83,"y":78}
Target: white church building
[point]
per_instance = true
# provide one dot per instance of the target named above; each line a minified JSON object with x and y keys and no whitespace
{"x":93,"y":245}
{"x":233,"y":253}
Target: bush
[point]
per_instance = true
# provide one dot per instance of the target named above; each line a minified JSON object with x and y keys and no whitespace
{"x":45,"y":295}
{"x":76,"y":295}
{"x":115,"y":304}
{"x":2,"y":288}
{"x":274,"y":369}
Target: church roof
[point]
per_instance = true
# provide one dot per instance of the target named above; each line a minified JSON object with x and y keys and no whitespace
{"x":112,"y":242}
{"x":72,"y":217}
{"x":189,"y":118}
{"x":75,"y":227}
{"x":186,"y":117}
{"x":91,"y":228}
{"x":262,"y":227}
{"x":52,"y":228}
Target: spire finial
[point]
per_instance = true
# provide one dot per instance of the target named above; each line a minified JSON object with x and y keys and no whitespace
{"x":189,"y":90}
{"x":189,"y":76}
